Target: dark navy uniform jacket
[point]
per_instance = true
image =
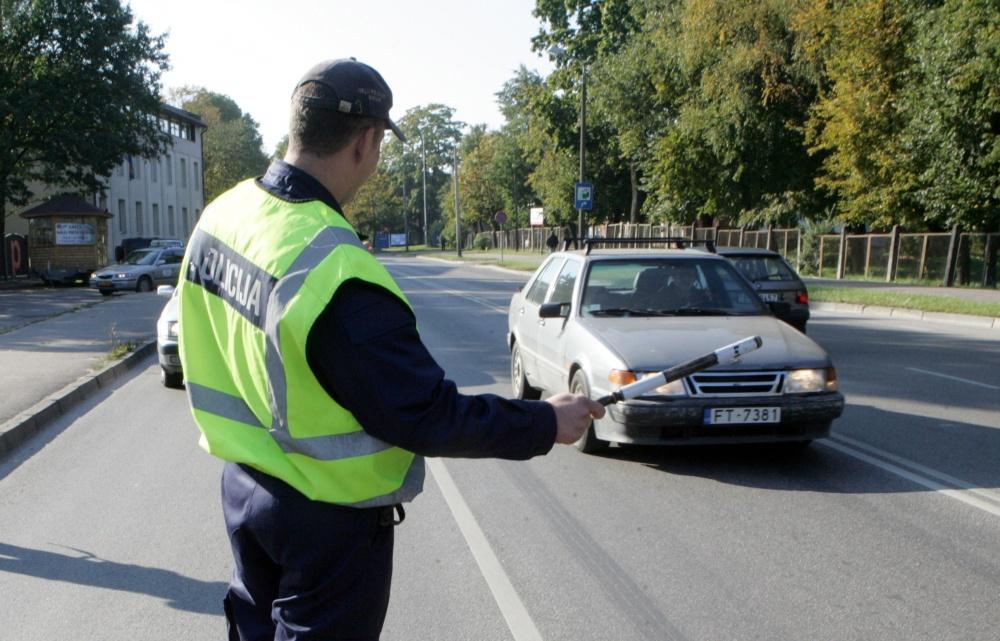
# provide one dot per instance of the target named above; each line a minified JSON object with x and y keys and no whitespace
{"x":365,"y":351}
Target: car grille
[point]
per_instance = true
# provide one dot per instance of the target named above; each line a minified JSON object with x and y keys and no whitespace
{"x":736,"y":383}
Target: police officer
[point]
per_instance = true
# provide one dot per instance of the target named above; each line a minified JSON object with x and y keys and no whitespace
{"x":306,"y":373}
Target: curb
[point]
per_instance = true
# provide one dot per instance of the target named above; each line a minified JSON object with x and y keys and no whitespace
{"x":983,"y":322}
{"x":15,"y":431}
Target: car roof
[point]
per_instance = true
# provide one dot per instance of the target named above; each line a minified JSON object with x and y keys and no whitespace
{"x":746,"y":251}
{"x":618,"y":254}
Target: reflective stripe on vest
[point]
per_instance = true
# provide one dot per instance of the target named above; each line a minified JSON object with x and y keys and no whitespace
{"x":262,"y":300}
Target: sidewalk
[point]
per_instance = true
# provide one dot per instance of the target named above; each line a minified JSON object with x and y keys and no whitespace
{"x":54,"y":350}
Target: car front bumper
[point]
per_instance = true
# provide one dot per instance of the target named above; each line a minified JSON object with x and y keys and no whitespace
{"x":681,"y":420}
{"x":113,"y":284}
{"x":170,"y":359}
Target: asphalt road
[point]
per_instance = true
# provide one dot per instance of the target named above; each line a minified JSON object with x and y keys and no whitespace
{"x":889,"y":530}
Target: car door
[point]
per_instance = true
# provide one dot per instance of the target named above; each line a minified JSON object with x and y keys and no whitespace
{"x":551,"y":331}
{"x":167,"y":267}
{"x":528,"y":321}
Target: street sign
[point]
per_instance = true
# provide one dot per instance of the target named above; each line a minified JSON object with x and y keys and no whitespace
{"x":500,"y":217}
{"x":537,"y":216}
{"x":585,"y":196}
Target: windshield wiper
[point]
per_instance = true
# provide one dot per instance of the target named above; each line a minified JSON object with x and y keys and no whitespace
{"x":611,"y":311}
{"x":699,"y":311}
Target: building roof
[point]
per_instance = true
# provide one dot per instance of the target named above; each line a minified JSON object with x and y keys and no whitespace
{"x":64,"y":205}
{"x":186,"y":115}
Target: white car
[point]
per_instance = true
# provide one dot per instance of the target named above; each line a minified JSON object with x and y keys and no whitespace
{"x":166,"y":340}
{"x":593,"y":321}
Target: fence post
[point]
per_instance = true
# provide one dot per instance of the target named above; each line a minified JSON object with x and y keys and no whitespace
{"x":742,"y":232}
{"x":868,"y":254}
{"x":798,"y":250}
{"x":767,"y":241}
{"x":949,"y":268}
{"x":842,"y":253}
{"x":890,"y":269}
{"x":989,"y":261}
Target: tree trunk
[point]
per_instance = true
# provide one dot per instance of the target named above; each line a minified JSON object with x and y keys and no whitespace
{"x":3,"y":229}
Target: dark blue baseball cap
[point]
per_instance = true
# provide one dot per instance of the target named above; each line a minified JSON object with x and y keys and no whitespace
{"x":357,"y":90}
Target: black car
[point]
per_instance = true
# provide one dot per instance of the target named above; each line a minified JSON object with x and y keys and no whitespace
{"x":775,"y":281}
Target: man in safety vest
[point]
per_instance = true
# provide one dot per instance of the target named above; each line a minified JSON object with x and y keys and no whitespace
{"x":305,"y":372}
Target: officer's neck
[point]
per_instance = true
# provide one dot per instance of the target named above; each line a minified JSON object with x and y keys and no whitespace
{"x":336,"y":172}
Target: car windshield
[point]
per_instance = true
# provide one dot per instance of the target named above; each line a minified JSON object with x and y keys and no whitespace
{"x":763,"y":268}
{"x":667,"y":287}
{"x":141,"y":257}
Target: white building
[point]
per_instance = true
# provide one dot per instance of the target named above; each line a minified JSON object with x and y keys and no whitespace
{"x":158,"y":197}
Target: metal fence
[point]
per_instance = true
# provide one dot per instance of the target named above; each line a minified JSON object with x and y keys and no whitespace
{"x":952,"y":258}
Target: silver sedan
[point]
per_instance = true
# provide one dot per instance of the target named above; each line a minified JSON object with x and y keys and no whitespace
{"x":593,"y":321}
{"x":141,"y":271}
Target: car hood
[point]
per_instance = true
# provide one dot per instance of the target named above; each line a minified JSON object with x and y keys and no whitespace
{"x":120,"y":268}
{"x":654,"y":343}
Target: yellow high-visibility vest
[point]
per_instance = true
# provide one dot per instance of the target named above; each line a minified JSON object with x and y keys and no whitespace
{"x":257,"y":273}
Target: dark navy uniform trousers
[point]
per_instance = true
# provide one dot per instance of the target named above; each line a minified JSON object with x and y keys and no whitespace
{"x":305,"y":570}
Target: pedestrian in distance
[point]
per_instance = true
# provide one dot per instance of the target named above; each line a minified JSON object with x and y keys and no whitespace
{"x":306,"y":374}
{"x":552,"y":242}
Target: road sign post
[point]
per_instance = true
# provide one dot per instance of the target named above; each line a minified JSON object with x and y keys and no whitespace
{"x":501,"y":218}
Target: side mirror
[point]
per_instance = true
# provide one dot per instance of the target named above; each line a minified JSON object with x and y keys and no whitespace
{"x":554,"y":310}
{"x":165,"y":290}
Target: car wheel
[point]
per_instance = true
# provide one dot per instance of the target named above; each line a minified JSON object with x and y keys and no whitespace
{"x":517,"y":378}
{"x":145,"y":284}
{"x":588,"y":443}
{"x":173,"y":380}
{"x":105,"y":292}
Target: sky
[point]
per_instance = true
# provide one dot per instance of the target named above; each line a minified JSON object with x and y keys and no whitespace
{"x":454,"y":52}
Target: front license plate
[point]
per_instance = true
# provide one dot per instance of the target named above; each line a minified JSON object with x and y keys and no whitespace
{"x":103,"y":285}
{"x":741,"y":415}
{"x":770,"y":298}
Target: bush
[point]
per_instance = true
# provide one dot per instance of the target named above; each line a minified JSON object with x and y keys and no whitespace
{"x":483,"y":241}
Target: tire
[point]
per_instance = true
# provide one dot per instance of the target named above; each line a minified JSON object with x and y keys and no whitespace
{"x":145,"y":284}
{"x":588,"y":443}
{"x":518,"y":380}
{"x":105,"y":292}
{"x":173,"y":380}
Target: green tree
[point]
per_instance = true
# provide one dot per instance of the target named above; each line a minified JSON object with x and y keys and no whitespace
{"x":377,"y":206}
{"x":232,"y":144}
{"x":79,"y":89}
{"x":860,"y":50}
{"x":952,"y":108}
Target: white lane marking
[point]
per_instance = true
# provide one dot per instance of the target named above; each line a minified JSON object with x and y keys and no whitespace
{"x":954,"y":378}
{"x":962,"y":495}
{"x":514,"y":613}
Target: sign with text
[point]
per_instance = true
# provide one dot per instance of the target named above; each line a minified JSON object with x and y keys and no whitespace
{"x":585,"y":196}
{"x":74,"y":234}
{"x":397,"y":240}
{"x":537,"y":218}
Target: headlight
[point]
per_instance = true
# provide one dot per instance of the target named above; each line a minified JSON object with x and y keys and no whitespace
{"x":804,"y":381}
{"x":122,"y":275}
{"x":93,"y":276}
{"x":620,"y":378}
{"x":172,"y":329}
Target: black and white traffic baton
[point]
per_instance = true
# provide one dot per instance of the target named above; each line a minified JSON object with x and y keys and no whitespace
{"x":727,"y":354}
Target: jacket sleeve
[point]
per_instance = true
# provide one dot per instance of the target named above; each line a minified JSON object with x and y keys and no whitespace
{"x":365,"y":350}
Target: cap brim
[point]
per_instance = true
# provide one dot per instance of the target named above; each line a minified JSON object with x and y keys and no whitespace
{"x":395,"y":130}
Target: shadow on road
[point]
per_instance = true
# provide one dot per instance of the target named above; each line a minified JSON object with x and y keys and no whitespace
{"x":180,"y":592}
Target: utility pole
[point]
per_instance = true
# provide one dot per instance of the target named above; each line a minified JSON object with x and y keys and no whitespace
{"x":423,"y":162}
{"x":406,"y":224}
{"x":583,"y":148}
{"x":458,"y":226}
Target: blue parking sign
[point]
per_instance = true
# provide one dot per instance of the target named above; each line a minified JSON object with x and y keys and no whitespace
{"x":585,"y":196}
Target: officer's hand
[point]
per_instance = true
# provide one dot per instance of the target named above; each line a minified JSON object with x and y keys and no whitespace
{"x":573,"y":415}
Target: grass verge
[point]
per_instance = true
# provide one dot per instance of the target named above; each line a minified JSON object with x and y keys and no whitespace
{"x":882,"y":298}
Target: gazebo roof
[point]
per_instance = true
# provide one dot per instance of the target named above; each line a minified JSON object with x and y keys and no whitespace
{"x":64,"y":205}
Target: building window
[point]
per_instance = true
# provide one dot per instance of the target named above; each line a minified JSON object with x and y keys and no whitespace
{"x":120,"y":169}
{"x":138,"y":218}
{"x":195,"y":178}
{"x":156,"y":219}
{"x":184,"y":173}
{"x":175,"y":130}
{"x":184,"y":221}
{"x":170,"y":169}
{"x":154,"y":170}
{"x":134,"y":168}
{"x":122,"y":216}
{"x":170,"y":221}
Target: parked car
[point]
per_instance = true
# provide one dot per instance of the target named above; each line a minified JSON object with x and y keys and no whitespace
{"x":775,"y":281}
{"x":141,"y":271}
{"x":171,"y":372}
{"x":593,"y":320}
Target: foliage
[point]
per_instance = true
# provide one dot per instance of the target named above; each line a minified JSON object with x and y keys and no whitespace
{"x":79,"y":89}
{"x":232,"y":144}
